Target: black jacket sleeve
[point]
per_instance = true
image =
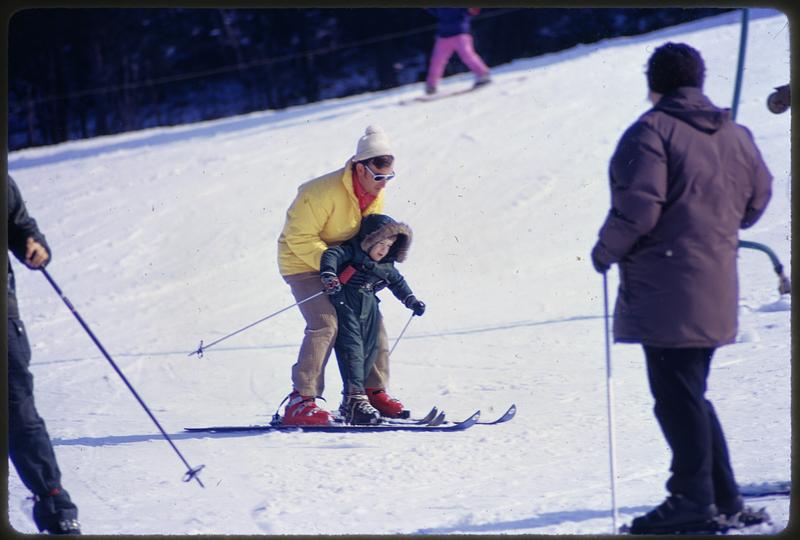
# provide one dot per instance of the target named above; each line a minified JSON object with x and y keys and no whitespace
{"x":397,"y":284}
{"x":21,"y":226}
{"x":334,"y":258}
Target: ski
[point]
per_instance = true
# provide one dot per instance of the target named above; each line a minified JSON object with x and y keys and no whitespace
{"x":434,"y":418}
{"x":766,"y":489}
{"x":428,"y":419}
{"x":505,"y":417}
{"x":427,"y":98}
{"x":705,"y":527}
{"x":345,"y":428}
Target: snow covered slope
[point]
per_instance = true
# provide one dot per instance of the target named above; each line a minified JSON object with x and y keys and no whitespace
{"x":165,"y":237}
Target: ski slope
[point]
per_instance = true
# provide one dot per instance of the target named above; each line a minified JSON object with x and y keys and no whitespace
{"x":167,"y":236}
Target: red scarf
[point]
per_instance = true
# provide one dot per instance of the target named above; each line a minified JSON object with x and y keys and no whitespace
{"x":364,"y":198}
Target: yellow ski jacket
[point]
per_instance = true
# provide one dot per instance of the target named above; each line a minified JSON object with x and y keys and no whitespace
{"x":325,"y":213}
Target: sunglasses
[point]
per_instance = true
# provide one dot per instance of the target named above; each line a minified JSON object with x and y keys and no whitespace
{"x":378,"y":177}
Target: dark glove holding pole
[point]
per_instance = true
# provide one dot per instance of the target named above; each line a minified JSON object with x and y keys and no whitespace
{"x":415,"y":305}
{"x":598,"y":264}
{"x":330,"y":283}
{"x":36,"y":255}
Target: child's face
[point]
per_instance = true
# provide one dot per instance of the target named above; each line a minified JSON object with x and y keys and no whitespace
{"x":381,"y":249}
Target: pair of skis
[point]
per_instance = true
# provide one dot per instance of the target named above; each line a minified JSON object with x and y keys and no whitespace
{"x":435,"y":417}
{"x":434,"y":421}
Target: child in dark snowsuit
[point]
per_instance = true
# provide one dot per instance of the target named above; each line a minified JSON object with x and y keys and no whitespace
{"x":352,"y":274}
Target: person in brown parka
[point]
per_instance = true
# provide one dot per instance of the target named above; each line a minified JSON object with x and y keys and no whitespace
{"x":684,"y":179}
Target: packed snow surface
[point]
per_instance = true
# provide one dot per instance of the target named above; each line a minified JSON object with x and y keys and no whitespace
{"x":167,"y":236}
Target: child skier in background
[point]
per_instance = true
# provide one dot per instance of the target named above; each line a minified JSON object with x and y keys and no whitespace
{"x":352,"y":274}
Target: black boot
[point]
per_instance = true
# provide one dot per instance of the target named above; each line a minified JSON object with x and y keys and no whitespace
{"x":359,"y":410}
{"x":676,"y":515}
{"x":55,"y":513}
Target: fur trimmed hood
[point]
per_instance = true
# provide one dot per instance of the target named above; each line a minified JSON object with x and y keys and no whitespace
{"x":377,"y":227}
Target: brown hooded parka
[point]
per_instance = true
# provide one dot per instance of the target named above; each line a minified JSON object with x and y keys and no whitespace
{"x":684,"y":179}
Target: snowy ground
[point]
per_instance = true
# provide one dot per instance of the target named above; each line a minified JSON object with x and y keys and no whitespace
{"x":168,"y":236}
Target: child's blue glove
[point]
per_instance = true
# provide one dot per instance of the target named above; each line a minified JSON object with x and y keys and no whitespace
{"x":417,"y":306}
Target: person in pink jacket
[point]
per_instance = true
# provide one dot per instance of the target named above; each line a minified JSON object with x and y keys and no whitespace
{"x":453,"y":36}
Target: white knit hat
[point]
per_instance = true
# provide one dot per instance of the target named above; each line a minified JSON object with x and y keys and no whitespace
{"x":374,"y":143}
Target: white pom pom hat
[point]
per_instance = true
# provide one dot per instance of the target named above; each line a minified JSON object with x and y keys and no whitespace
{"x":374,"y":143}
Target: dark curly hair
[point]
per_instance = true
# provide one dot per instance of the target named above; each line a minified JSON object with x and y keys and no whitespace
{"x":673,"y":65}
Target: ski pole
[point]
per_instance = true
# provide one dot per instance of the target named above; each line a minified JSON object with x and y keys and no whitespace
{"x":610,"y":404}
{"x":737,"y":87}
{"x":191,"y":473}
{"x":201,"y":348}
{"x":784,"y":285}
{"x":401,"y":334}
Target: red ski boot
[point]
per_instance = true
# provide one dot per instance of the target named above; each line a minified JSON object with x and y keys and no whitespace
{"x":303,"y":411}
{"x":386,"y":404}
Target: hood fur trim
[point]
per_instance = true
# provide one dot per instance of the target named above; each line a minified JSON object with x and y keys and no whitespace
{"x":399,"y":250}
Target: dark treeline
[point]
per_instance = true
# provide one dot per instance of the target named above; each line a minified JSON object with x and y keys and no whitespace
{"x":77,"y":73}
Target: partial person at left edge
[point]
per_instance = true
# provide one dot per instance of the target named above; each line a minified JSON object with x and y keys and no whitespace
{"x":29,"y":445}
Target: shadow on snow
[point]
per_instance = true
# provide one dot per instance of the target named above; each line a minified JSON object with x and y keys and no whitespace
{"x":541,"y":520}
{"x":114,"y":440}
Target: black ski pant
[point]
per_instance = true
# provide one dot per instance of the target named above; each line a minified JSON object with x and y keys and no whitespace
{"x":701,"y":468}
{"x":357,"y":339}
{"x":29,"y":444}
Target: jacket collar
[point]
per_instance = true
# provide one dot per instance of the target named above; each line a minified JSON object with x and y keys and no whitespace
{"x":349,"y":184}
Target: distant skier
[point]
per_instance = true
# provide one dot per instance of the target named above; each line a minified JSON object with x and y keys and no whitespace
{"x":779,"y":101}
{"x":684,"y":179}
{"x":29,"y":445}
{"x":366,"y":266}
{"x":328,"y":211}
{"x":453,"y":36}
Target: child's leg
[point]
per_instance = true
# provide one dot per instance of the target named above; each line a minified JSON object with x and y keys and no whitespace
{"x":466,"y":51}
{"x":350,"y":350}
{"x":378,"y":377}
{"x":344,"y":368}
{"x":442,"y":51}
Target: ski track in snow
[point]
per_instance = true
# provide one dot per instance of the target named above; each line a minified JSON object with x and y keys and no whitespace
{"x":167,"y":236}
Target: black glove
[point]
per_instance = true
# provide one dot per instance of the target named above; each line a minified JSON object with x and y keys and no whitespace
{"x":330,"y":283}
{"x":599,"y":265}
{"x":415,"y":305}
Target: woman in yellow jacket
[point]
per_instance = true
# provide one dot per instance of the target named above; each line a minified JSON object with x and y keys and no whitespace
{"x":326,"y":212}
